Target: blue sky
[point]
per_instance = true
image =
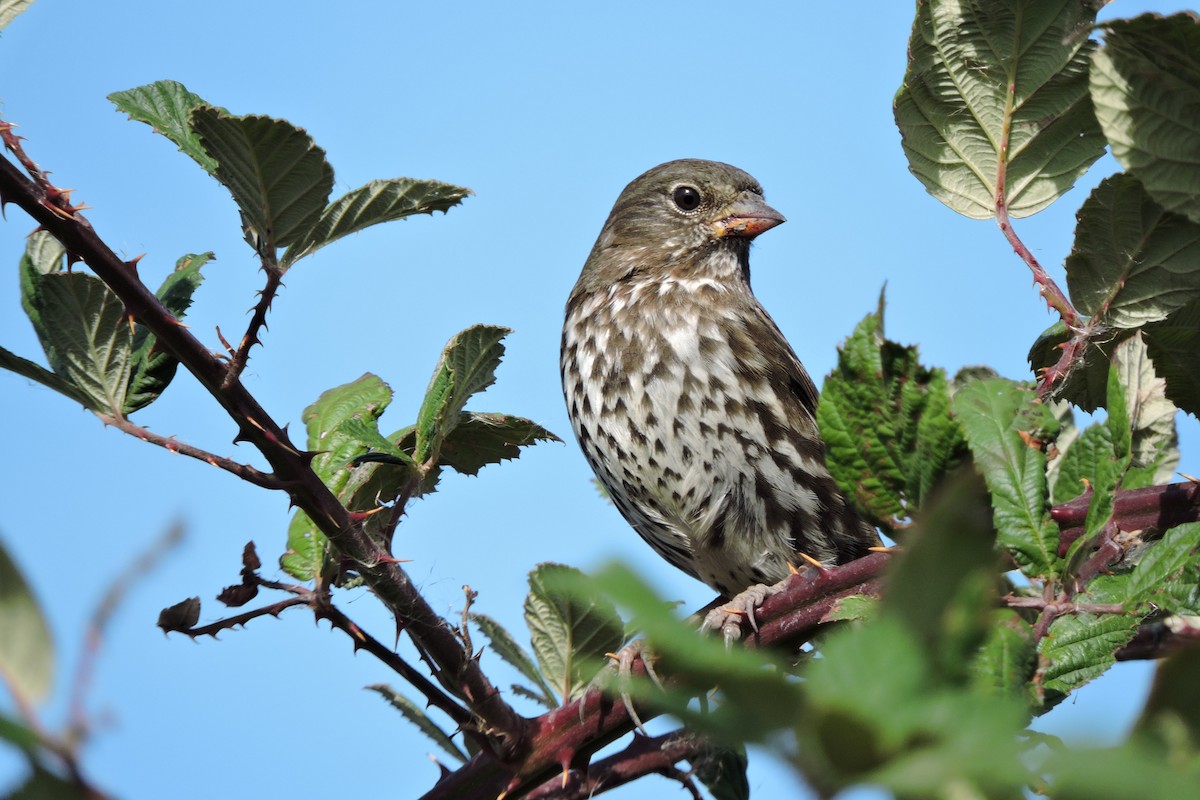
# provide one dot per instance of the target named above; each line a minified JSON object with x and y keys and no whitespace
{"x":546,"y":111}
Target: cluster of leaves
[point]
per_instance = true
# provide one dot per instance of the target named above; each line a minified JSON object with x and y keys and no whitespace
{"x":376,"y":475}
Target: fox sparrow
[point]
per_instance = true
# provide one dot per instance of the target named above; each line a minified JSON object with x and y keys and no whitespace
{"x":687,"y":401}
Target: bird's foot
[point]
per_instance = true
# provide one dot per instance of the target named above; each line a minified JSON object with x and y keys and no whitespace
{"x":730,"y":618}
{"x":623,"y":660}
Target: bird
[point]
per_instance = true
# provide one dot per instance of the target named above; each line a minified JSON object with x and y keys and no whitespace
{"x":686,"y":399}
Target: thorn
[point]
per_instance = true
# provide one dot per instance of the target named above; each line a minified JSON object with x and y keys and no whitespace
{"x":1189,"y":478}
{"x":360,"y":516}
{"x":882,"y":549}
{"x":388,"y":559}
{"x":821,"y":568}
{"x":133,"y":262}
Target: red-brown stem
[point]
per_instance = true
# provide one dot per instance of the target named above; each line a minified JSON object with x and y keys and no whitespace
{"x":1051,"y":293}
{"x":258,"y":321}
{"x":645,"y":755}
{"x":243,"y":471}
{"x":291,"y":466}
{"x":559,"y":737}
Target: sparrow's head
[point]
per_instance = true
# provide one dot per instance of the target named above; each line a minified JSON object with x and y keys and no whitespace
{"x":676,"y":216}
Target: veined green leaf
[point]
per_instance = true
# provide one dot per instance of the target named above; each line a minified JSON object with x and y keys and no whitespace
{"x":1174,"y":348}
{"x":89,"y":336}
{"x":364,"y":398}
{"x":570,"y":633}
{"x":26,"y":649}
{"x":994,"y":414}
{"x":166,"y":107}
{"x":467,"y":366}
{"x":1164,"y":561}
{"x":994,"y":85}
{"x":154,"y":369}
{"x":1132,"y":262}
{"x":1145,"y":83}
{"x":1154,"y":443}
{"x":277,"y":175}
{"x":1008,"y":658}
{"x":481,"y":439}
{"x":376,"y":202}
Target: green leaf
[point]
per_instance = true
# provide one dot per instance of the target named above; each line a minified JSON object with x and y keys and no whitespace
{"x":417,"y":716}
{"x":1081,"y":647}
{"x":505,"y":646}
{"x":1154,"y":442}
{"x":166,"y":106}
{"x":570,"y":633}
{"x":1164,"y":562}
{"x":18,"y":734}
{"x":1136,"y":770}
{"x":855,"y":607}
{"x":89,"y":335}
{"x":942,"y":584}
{"x":277,"y":175}
{"x":1132,"y":262}
{"x":467,"y":366}
{"x":364,"y":398}
{"x":154,"y":369}
{"x":955,"y":109}
{"x":481,"y":439}
{"x":1081,"y":463}
{"x":722,"y":770}
{"x":43,"y":255}
{"x":1007,"y":660}
{"x":378,"y":201}
{"x":26,"y":649}
{"x":994,"y":414}
{"x":1174,"y":348}
{"x":886,"y":421}
{"x":1145,"y":83}
{"x":9,"y":9}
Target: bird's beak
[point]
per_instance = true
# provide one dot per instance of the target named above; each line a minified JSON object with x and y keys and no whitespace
{"x":746,"y":217}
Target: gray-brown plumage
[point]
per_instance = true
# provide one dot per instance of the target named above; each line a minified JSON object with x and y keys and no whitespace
{"x":688,"y":402}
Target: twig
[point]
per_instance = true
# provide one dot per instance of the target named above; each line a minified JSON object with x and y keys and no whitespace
{"x":560,"y":737}
{"x":243,"y":471}
{"x":258,"y":321}
{"x":645,"y":755}
{"x":229,"y":623}
{"x":291,"y":466}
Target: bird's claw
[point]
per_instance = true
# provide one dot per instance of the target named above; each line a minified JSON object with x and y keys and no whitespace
{"x":624,"y":660}
{"x":730,"y":618}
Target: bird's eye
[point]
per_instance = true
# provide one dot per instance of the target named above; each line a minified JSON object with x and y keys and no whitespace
{"x":687,"y":198}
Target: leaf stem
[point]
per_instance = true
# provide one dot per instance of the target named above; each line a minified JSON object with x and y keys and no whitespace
{"x":258,"y":321}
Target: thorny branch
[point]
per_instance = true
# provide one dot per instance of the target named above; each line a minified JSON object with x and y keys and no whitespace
{"x":645,"y":755}
{"x":1079,"y":330}
{"x":258,"y":321}
{"x":290,"y":465}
